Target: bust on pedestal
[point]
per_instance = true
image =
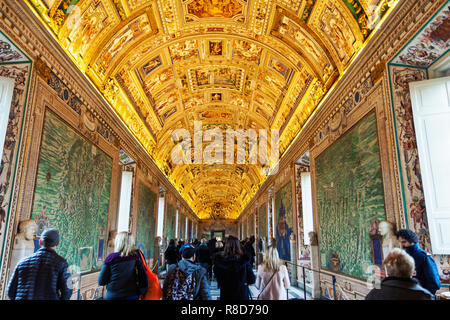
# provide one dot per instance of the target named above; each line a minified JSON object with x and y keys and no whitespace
{"x":23,"y":242}
{"x":390,"y":241}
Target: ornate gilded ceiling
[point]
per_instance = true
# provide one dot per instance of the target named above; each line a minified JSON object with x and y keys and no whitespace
{"x":232,"y":64}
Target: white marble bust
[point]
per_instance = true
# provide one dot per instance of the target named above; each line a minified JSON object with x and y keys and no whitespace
{"x":390,"y":241}
{"x":23,"y":242}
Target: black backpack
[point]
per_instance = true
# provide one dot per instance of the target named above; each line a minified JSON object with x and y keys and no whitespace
{"x":180,"y":286}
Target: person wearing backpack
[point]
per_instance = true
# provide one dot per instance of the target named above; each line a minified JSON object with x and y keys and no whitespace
{"x":187,"y":280}
{"x":233,"y":271}
{"x":123,"y":272}
{"x":273,"y":278}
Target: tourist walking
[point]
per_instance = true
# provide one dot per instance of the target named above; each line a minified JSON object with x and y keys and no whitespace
{"x":399,"y":284}
{"x":272,"y":278}
{"x":43,"y":275}
{"x":426,"y":269}
{"x":233,"y":271}
{"x":187,"y":280}
{"x":171,"y":254}
{"x":123,"y":272}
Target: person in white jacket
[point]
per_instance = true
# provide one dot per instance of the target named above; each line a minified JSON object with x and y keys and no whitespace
{"x":273,"y":278}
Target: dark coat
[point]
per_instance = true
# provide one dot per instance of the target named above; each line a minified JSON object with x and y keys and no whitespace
{"x":171,"y":254}
{"x":201,"y":291}
{"x":119,"y":275}
{"x":393,"y":288}
{"x":41,"y":276}
{"x":233,"y":277}
{"x":426,"y":269}
{"x":203,"y":254}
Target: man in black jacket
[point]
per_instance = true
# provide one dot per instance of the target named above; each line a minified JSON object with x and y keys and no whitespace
{"x":43,"y":275}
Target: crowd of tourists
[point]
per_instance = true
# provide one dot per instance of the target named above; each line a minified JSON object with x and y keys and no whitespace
{"x":190,"y":267}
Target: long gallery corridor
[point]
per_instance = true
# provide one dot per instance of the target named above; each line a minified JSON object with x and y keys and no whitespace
{"x":298,"y":144}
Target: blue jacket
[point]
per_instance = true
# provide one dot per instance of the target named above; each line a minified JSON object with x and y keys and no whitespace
{"x":41,"y":276}
{"x":119,"y":275}
{"x":426,"y":269}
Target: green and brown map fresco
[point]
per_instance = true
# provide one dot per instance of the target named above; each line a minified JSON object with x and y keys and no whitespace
{"x":146,"y":221}
{"x":170,"y":222}
{"x":349,"y":198}
{"x":262,"y":221}
{"x":72,"y":193}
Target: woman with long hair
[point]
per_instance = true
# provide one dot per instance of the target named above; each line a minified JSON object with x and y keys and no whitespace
{"x":273,"y":278}
{"x":233,"y":271}
{"x":119,"y":272}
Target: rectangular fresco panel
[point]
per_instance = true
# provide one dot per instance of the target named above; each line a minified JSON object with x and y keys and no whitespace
{"x":251,"y":225}
{"x":182,"y":225}
{"x":349,"y":199}
{"x":262,"y":221}
{"x":72,"y":193}
{"x":284,"y":220}
{"x":170,"y":222}
{"x":146,"y":221}
{"x":189,"y":232}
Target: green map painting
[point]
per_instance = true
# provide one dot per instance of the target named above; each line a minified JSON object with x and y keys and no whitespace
{"x":262,"y":221}
{"x":349,"y":199}
{"x":182,"y":227}
{"x":170,"y":222}
{"x":283,"y":220}
{"x":251,"y":225}
{"x":189,"y":232}
{"x":146,"y":221}
{"x":72,"y":194}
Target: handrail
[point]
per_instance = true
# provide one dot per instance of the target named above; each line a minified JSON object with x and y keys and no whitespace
{"x":333,"y":277}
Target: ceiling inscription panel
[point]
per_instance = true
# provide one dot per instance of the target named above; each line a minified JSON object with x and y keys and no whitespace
{"x":231,"y":64}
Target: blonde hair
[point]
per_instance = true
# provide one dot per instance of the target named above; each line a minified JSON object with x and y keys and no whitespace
{"x":399,"y":264}
{"x":124,"y":244}
{"x":204,"y":240}
{"x":272,"y":260}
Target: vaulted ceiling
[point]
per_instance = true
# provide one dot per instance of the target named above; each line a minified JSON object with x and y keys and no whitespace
{"x":232,"y":64}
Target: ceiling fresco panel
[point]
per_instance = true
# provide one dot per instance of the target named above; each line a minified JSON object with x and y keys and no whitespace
{"x":232,"y":64}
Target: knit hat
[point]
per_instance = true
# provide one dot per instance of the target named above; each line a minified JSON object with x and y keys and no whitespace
{"x":50,"y":237}
{"x":187,"y":251}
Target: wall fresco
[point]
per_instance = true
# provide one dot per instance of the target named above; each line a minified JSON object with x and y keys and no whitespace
{"x":8,"y":161}
{"x":146,"y":220}
{"x":349,"y":198}
{"x":262,"y":221}
{"x":170,"y":222}
{"x":432,"y":42}
{"x":284,"y":220}
{"x":72,"y":193}
{"x":409,"y":161}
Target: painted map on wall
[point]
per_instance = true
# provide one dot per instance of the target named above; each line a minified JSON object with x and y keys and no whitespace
{"x":146,"y":221}
{"x":170,"y":222}
{"x":182,"y":225}
{"x":349,"y":199}
{"x":189,"y":233}
{"x":283,"y":220}
{"x":262,"y":221}
{"x":72,"y":193}
{"x":251,"y":225}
